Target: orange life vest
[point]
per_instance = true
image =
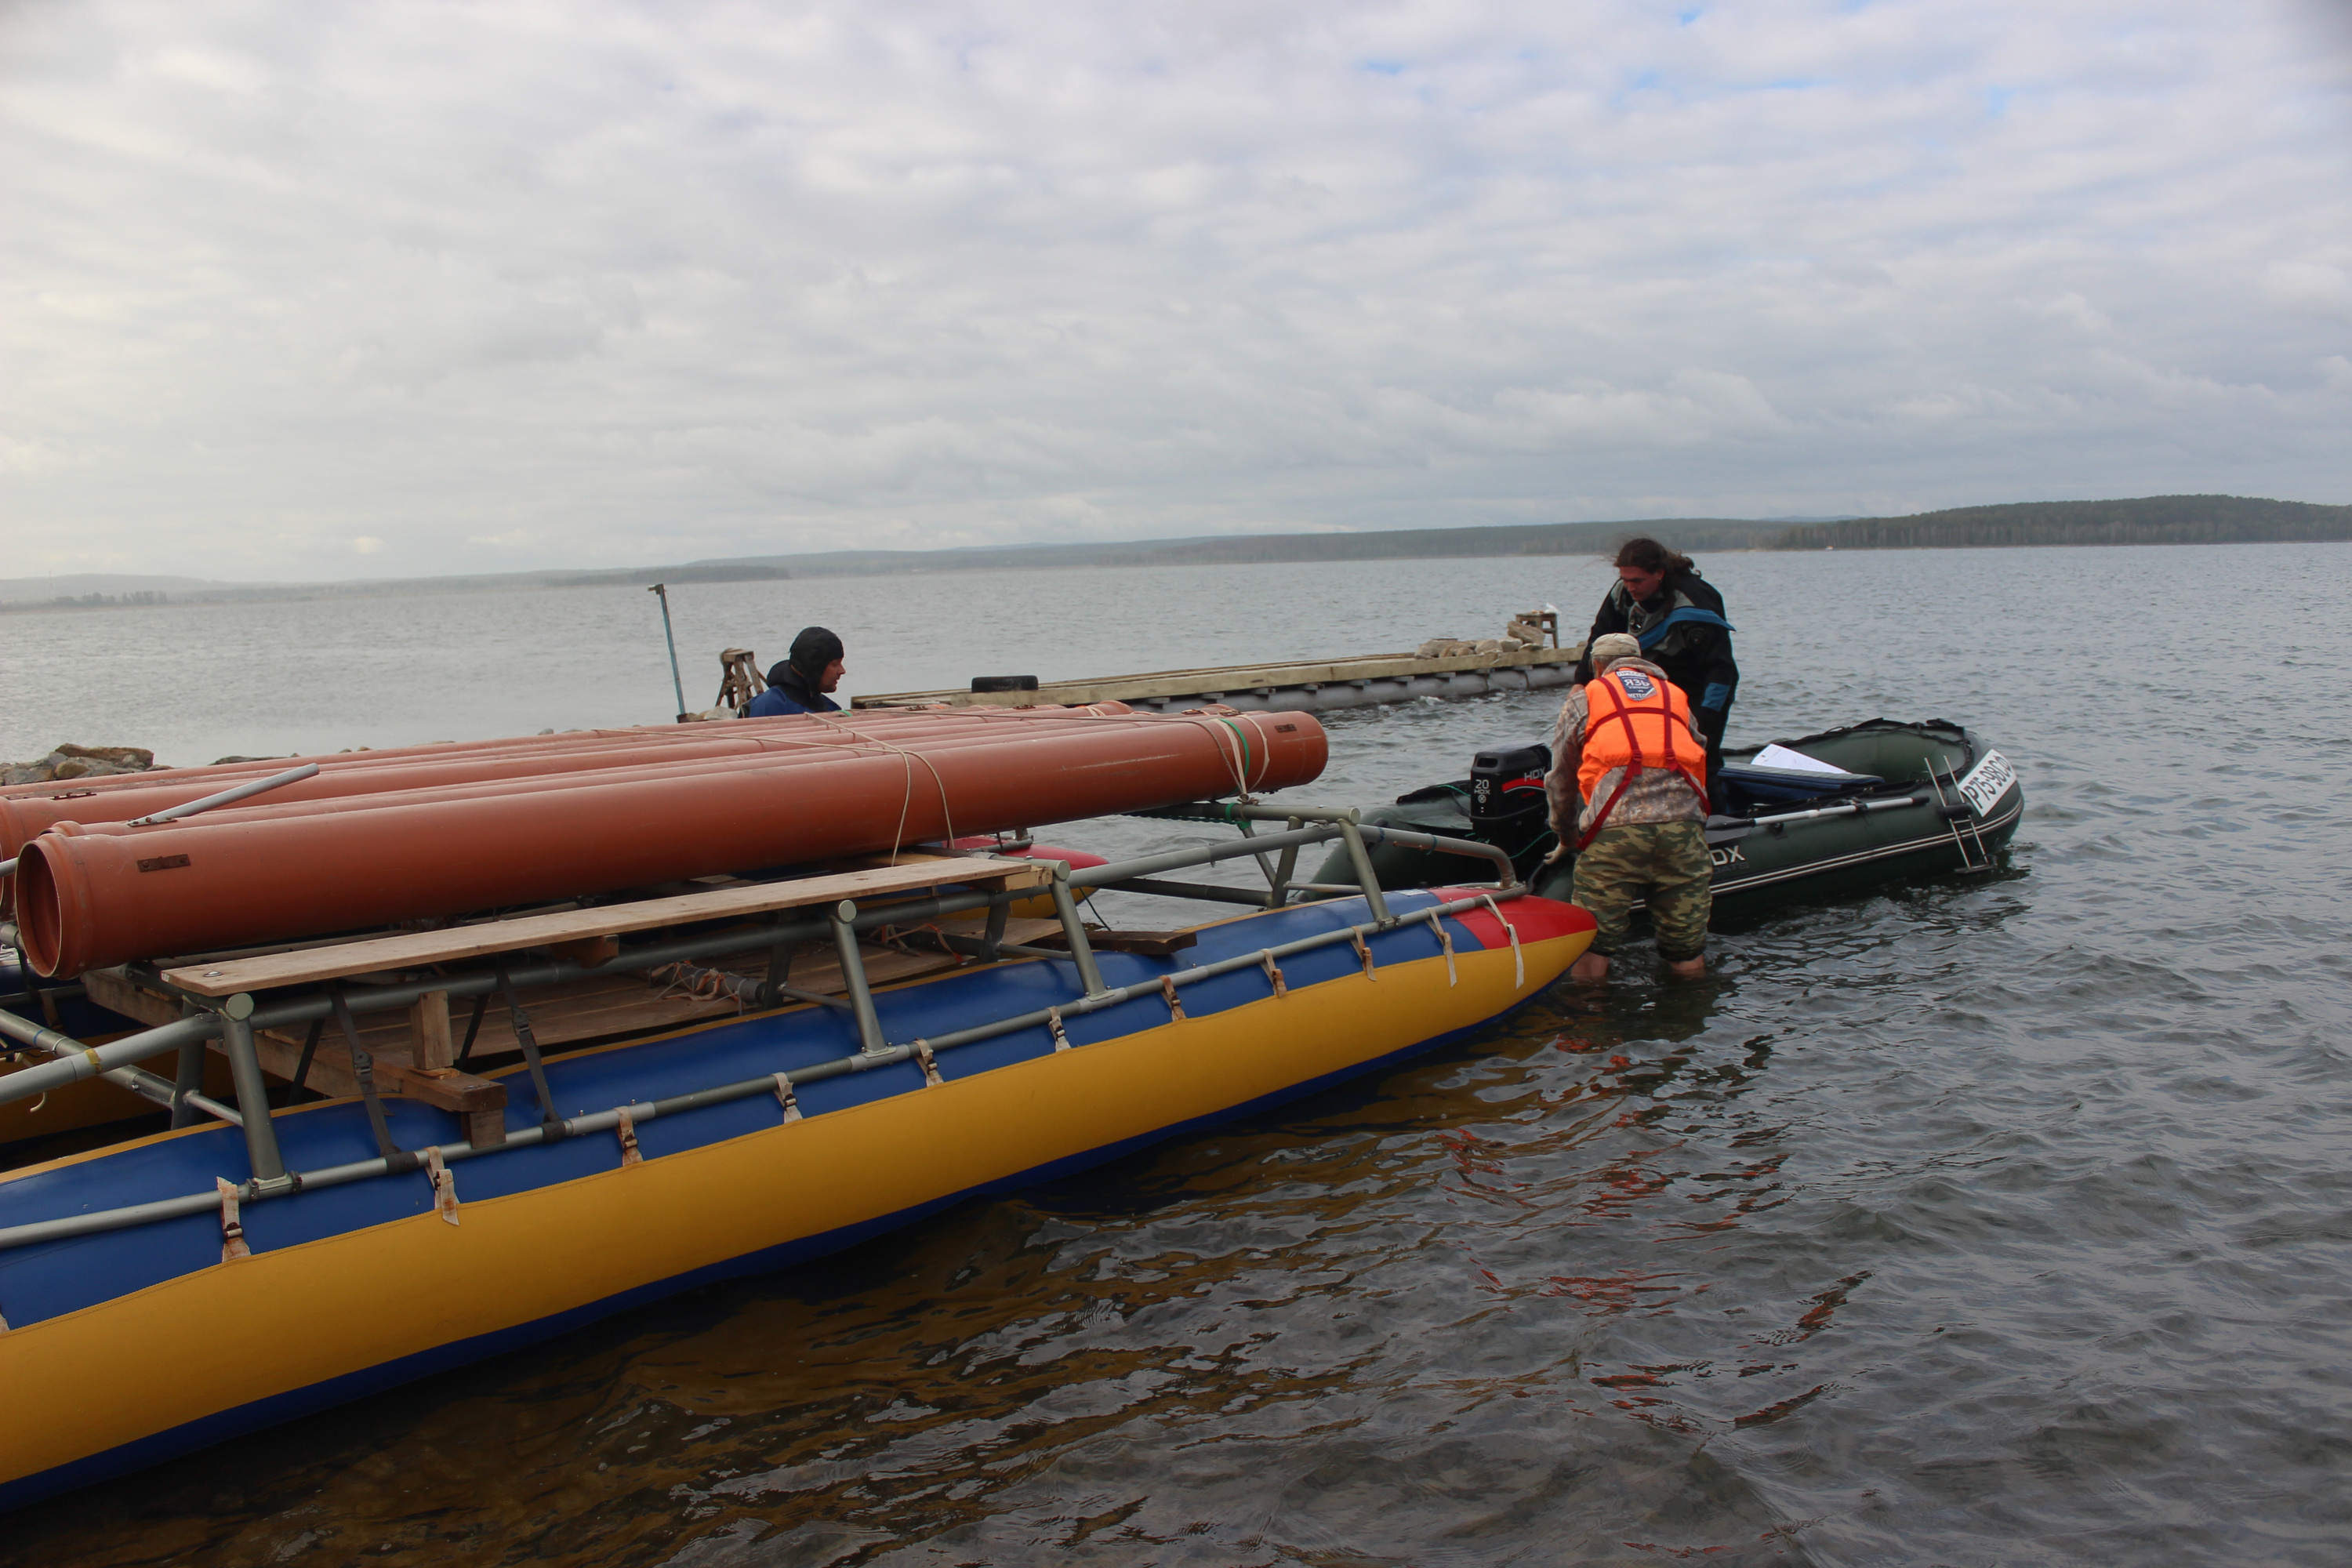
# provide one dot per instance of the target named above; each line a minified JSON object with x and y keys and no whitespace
{"x":1634,"y":719}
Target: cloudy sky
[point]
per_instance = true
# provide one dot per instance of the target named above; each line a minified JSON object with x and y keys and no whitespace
{"x":321,"y":290}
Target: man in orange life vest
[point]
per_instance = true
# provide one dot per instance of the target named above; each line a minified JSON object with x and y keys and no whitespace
{"x":1628,"y":789}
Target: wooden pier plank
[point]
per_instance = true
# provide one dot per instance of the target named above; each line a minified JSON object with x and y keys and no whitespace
{"x":1217,"y":680}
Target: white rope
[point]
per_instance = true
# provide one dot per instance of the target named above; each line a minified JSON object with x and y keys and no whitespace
{"x":907,"y":760}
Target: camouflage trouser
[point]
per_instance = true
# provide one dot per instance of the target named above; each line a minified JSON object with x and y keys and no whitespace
{"x":1664,"y":862}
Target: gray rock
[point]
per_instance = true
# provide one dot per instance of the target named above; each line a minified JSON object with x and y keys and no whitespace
{"x":72,"y":762}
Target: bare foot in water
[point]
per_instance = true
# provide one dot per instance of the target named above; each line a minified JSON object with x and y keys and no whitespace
{"x":1689,"y":969}
{"x":1590,"y":966}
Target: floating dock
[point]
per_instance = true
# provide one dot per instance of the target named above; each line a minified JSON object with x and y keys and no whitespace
{"x":1315,"y":687}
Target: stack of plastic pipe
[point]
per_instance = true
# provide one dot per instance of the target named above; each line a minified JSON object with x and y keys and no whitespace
{"x":92,"y":893}
{"x":28,"y":809}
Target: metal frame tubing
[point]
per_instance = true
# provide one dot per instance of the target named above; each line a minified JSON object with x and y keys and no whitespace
{"x":1082,"y":951}
{"x":1360,"y":857}
{"x":252,"y":1095}
{"x":605,"y":1121}
{"x":1199,"y":855}
{"x":1375,"y":833}
{"x":190,"y":1080}
{"x":853,"y":979}
{"x":1205,"y":892}
{"x":138,"y":1081}
{"x":77,"y":1061}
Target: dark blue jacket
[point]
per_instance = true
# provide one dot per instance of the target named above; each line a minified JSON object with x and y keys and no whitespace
{"x":776,"y":701}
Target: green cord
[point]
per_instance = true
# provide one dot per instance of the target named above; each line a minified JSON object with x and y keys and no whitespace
{"x":1242,"y":736}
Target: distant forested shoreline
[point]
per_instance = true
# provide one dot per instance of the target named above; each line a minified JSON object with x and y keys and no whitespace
{"x":2152,"y":519}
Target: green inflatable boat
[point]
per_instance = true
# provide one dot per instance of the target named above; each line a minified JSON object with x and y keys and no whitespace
{"x":1846,"y":809}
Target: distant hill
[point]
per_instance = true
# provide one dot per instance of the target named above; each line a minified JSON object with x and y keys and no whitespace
{"x":2152,"y":519}
{"x":2157,"y":519}
{"x":1227,"y":550}
{"x":94,"y":591}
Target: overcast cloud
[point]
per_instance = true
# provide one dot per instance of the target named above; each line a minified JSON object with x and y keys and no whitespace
{"x":343,"y":289}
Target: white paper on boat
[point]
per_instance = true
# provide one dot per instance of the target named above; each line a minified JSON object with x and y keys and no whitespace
{"x":1780,"y":757}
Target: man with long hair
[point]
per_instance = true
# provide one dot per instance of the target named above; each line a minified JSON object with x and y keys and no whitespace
{"x":1676,"y":616}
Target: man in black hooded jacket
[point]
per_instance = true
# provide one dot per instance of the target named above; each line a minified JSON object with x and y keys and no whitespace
{"x":1661,"y":600}
{"x":798,"y":684}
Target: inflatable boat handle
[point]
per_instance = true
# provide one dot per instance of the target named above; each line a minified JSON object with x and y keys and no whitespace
{"x":1852,"y":809}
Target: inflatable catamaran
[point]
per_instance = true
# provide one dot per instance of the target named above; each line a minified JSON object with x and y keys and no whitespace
{"x":462,"y":1046}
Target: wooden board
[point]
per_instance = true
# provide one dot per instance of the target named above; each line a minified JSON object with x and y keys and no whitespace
{"x":417,"y":950}
{"x":1216,"y":681}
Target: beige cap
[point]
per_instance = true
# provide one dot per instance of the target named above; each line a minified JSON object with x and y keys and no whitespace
{"x":1608,"y":650}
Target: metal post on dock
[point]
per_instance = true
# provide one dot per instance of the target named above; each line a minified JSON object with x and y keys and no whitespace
{"x":661,"y":591}
{"x":252,"y":1092}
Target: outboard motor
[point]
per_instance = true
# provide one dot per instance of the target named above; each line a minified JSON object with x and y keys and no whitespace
{"x":1508,"y":806}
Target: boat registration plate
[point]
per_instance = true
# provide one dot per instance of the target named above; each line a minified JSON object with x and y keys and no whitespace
{"x":1988,"y":782}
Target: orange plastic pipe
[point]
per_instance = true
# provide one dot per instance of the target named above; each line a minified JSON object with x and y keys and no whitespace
{"x":365,"y":772}
{"x":90,"y":900}
{"x":629,"y":770}
{"x":22,"y":818}
{"x":195,"y":783}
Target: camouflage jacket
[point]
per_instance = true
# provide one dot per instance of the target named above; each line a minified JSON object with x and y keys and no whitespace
{"x":1655,"y":796}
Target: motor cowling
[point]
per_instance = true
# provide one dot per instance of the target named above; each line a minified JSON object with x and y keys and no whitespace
{"x":1506,"y":788}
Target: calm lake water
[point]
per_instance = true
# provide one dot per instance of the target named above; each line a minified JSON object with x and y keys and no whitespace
{"x":2004,"y":1220}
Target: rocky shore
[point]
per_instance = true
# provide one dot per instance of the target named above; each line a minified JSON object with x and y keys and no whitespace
{"x":68,"y":761}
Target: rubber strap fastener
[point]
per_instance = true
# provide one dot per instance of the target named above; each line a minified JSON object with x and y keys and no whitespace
{"x":233,"y":1245}
{"x":1445,"y":941}
{"x":1273,"y":973}
{"x":787,"y":1098}
{"x":1518,"y":959}
{"x":1364,"y":952}
{"x":931,"y":1078}
{"x":444,"y":1186}
{"x":626,"y":1126}
{"x":1175,"y":1003}
{"x":1054,"y":1022}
